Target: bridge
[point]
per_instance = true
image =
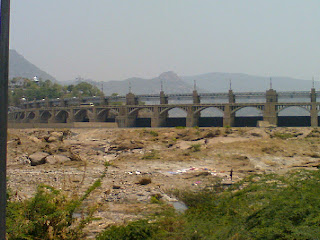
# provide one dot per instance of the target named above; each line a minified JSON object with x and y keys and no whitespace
{"x":124,"y":110}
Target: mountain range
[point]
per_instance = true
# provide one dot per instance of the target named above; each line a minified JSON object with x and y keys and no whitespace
{"x":21,"y":67}
{"x":170,"y":82}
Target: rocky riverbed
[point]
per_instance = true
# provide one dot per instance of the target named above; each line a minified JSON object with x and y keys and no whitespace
{"x":145,"y":164}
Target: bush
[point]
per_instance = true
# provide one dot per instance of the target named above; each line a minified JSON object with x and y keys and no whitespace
{"x":48,"y":215}
{"x":154,"y":133}
{"x":259,"y":207}
{"x":151,"y":155}
{"x":196,"y":147}
{"x":138,"y":230}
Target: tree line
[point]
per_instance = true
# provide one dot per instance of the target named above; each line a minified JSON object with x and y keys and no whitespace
{"x":23,"y":88}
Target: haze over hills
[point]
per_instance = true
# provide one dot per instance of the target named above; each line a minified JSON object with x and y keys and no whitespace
{"x":172,"y":83}
{"x":210,"y":82}
{"x":220,"y":82}
{"x":21,"y":67}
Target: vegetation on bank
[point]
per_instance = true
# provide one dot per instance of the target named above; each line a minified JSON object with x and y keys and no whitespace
{"x":259,"y":207}
{"x":49,"y":215}
{"x":31,"y":90}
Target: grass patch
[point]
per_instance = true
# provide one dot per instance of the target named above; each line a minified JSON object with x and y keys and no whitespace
{"x":283,"y":136}
{"x":151,"y":155}
{"x":196,"y":147}
{"x":154,"y":133}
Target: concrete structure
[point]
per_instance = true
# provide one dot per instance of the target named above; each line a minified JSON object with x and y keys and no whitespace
{"x":62,"y":111}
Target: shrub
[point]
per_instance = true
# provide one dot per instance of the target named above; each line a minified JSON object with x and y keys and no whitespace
{"x":258,"y":207}
{"x":151,"y":155}
{"x":283,"y":136}
{"x":48,"y":215}
{"x":154,"y":133}
{"x":138,"y":230}
{"x":196,"y":147}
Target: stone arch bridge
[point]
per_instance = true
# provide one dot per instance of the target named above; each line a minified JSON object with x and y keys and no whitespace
{"x":126,"y":115}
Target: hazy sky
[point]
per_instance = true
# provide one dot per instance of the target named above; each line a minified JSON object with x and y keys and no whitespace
{"x":116,"y":39}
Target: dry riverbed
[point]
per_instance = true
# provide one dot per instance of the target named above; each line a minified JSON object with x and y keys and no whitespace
{"x":142,"y":163}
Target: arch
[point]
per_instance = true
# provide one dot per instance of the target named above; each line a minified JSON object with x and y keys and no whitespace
{"x":113,"y":113}
{"x":143,"y":116}
{"x":175,"y":117}
{"x":248,"y":111}
{"x":294,"y":116}
{"x":294,"y":111}
{"x":16,"y":116}
{"x":62,"y":116}
{"x":247,"y":116}
{"x":102,"y":115}
{"x":142,"y":112}
{"x":167,"y":110}
{"x":31,"y":115}
{"x":210,"y":117}
{"x":177,"y":112}
{"x":107,"y":115}
{"x":45,"y":116}
{"x":81,"y":116}
{"x":22,"y":115}
{"x":210,"y":112}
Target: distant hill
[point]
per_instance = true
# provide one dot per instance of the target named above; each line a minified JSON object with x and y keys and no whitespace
{"x":20,"y":67}
{"x":172,"y":83}
{"x":219,"y":82}
{"x":209,"y":82}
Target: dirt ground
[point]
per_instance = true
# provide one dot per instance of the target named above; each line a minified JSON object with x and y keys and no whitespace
{"x":142,"y":163}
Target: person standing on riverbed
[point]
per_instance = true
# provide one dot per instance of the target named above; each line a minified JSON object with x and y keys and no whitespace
{"x":231,"y":172}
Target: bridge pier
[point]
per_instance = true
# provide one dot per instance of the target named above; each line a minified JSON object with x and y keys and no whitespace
{"x":158,"y":120}
{"x":270,"y":112}
{"x":70,"y":118}
{"x":192,"y":119}
{"x":313,"y":110}
{"x":36,"y":118}
{"x":314,"y":115}
{"x":93,"y":115}
{"x":124,"y":120}
{"x":52,"y":119}
{"x":228,"y":116}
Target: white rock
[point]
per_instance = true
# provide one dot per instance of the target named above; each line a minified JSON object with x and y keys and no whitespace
{"x":54,"y":159}
{"x":38,"y":158}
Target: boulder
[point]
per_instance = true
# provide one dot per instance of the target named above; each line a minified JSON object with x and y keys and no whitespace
{"x":55,"y":137}
{"x":126,"y":145}
{"x":35,"y":139}
{"x":54,"y":159}
{"x":38,"y":158}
